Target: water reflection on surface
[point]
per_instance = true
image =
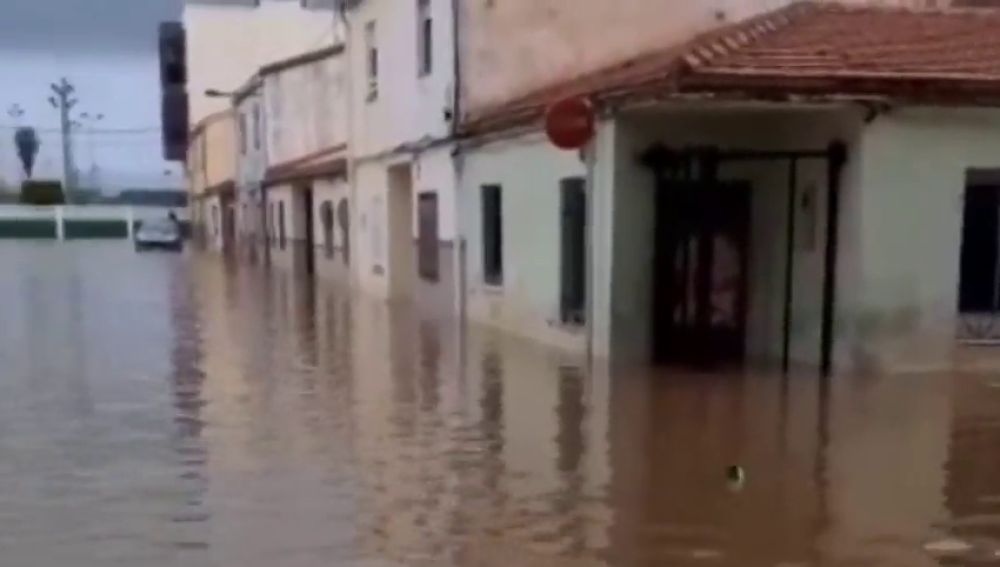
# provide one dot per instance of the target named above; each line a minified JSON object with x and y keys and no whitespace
{"x":167,"y":410}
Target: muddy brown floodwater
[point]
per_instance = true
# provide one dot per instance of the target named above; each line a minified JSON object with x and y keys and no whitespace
{"x":164,"y":410}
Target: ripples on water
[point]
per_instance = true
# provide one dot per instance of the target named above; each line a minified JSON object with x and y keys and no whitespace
{"x":167,"y":410}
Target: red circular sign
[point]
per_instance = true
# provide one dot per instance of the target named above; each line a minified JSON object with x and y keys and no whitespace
{"x":570,"y":122}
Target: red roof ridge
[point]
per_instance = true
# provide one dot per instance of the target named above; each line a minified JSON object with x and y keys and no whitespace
{"x":949,"y":55}
{"x":863,"y":8}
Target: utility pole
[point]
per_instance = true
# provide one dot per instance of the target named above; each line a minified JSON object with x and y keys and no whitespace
{"x":62,"y":100}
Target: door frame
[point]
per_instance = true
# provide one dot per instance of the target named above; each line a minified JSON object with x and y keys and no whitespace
{"x":399,"y":230}
{"x":689,"y":216}
{"x":701,"y":164}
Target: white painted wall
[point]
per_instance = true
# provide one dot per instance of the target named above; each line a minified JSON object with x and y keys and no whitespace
{"x":371,"y":216}
{"x":398,"y":127}
{"x":529,"y":169}
{"x":93,"y":212}
{"x":512,"y":47}
{"x":434,"y":171}
{"x":251,"y":165}
{"x":250,"y":168}
{"x":307,"y":109}
{"x":910,"y":229}
{"x":227,"y":44}
{"x":409,"y":107}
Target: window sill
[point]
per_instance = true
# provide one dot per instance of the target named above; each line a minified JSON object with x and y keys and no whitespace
{"x":570,"y":328}
{"x":492,"y":288}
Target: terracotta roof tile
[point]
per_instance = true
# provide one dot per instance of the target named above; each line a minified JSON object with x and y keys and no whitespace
{"x":898,"y":43}
{"x":807,"y":48}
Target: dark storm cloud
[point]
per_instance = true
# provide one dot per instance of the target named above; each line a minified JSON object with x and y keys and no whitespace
{"x":121,"y":26}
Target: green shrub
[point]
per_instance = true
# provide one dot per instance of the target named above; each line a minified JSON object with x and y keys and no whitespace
{"x":42,"y":193}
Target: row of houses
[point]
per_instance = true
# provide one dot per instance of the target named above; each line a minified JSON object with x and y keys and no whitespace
{"x":803,"y":182}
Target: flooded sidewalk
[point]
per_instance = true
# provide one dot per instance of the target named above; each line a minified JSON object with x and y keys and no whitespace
{"x":182,"y":410}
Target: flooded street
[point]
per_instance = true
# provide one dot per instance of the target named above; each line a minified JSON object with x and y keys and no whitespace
{"x":162,"y":409}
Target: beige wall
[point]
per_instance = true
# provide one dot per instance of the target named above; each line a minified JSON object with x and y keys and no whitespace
{"x":196,"y":165}
{"x":211,"y":153}
{"x":220,"y":141}
{"x":511,"y":47}
{"x":306,"y":109}
{"x":227,"y":44}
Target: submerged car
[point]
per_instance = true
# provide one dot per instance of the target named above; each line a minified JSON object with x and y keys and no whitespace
{"x":162,"y":234}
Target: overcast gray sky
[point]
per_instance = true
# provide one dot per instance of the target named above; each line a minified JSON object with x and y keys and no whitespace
{"x":107,"y":48}
{"x":84,"y":25}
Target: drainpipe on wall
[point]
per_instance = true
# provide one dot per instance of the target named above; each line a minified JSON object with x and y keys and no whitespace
{"x":456,"y":79}
{"x":461,"y":274}
{"x":340,"y":15}
{"x":590,"y":158}
{"x":461,"y":277}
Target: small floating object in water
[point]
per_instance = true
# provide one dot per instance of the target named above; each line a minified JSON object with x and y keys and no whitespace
{"x":706,"y":554}
{"x":947,"y":546}
{"x":736,"y":477}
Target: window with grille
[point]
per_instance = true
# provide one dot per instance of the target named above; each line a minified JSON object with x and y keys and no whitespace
{"x":281,"y":225}
{"x":243,"y":133}
{"x":573,"y":293}
{"x":427,"y":236}
{"x":492,"y":210}
{"x":425,"y":38}
{"x":256,"y":126}
{"x":371,"y":54}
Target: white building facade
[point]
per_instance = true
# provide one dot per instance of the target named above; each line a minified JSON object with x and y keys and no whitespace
{"x":307,"y":200}
{"x":729,"y":207}
{"x":229,"y":40}
{"x":402,"y":62}
{"x":251,"y":165}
